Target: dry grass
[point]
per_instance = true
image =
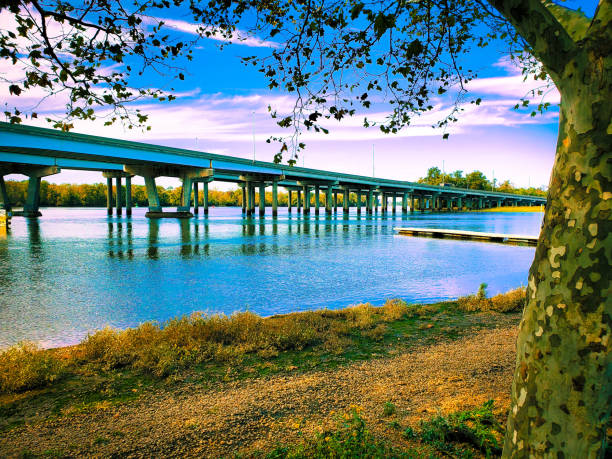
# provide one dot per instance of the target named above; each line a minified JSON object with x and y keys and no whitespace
{"x":25,"y":366}
{"x":514,"y":300}
{"x":179,"y":343}
{"x":164,"y":349}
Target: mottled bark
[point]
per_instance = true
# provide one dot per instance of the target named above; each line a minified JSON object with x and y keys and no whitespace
{"x":562,"y":388}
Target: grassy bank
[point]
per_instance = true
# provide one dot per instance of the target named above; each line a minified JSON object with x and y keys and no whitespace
{"x":243,"y":339}
{"x":513,"y":209}
{"x":115,"y":370}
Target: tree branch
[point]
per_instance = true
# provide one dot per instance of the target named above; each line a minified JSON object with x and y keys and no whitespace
{"x":574,"y":22}
{"x":548,"y":39}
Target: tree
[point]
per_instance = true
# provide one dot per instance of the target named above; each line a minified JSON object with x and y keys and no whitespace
{"x":334,"y":55}
{"x":434,"y":176}
{"x":476,"y":180}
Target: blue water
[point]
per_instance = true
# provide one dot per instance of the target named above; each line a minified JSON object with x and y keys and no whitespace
{"x":76,"y":270}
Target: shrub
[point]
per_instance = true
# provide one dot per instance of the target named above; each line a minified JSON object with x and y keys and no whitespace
{"x":25,"y":366}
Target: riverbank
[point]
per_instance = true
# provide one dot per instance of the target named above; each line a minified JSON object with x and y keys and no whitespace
{"x":286,"y":377}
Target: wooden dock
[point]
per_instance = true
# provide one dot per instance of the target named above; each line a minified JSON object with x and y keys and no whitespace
{"x":517,"y":239}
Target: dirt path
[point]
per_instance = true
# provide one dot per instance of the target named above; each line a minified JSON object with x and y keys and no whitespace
{"x":258,"y":413}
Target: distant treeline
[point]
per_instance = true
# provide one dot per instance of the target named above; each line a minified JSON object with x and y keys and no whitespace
{"x":71,"y":195}
{"x":475,"y":180}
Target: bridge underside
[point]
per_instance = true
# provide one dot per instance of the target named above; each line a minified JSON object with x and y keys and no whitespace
{"x":38,"y":152}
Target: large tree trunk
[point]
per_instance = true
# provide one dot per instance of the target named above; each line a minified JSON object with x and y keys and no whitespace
{"x":562,"y":388}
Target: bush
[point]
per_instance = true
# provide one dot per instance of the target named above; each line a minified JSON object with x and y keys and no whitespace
{"x":25,"y":366}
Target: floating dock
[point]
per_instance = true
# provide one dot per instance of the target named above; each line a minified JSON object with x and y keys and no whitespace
{"x":517,"y":239}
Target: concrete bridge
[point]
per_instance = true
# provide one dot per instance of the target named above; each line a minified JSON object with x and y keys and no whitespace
{"x":38,"y":152}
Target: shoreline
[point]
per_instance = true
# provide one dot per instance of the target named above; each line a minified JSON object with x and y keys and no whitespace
{"x":121,"y":381}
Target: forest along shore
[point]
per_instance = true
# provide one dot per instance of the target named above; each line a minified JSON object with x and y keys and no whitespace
{"x":362,"y":379}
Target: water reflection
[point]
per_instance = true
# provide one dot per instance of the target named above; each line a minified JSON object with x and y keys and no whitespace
{"x":75,"y":270}
{"x":120,"y":239}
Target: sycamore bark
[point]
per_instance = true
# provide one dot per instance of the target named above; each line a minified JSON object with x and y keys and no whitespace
{"x":562,"y":387}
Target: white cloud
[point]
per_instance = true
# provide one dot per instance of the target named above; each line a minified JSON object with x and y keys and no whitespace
{"x":241,"y":37}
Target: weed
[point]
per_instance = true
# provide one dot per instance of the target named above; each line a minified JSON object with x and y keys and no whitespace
{"x":350,"y":439}
{"x":477,"y":427}
{"x":388,"y":409}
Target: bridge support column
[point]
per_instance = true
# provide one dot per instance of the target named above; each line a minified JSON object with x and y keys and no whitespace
{"x":128,"y":196}
{"x":345,"y":200}
{"x":35,"y":173}
{"x":244,"y":197}
{"x":317,"y":192}
{"x":289,"y":203}
{"x":109,"y":195}
{"x":196,"y":198}
{"x":385,"y":203}
{"x":30,"y":209}
{"x":262,"y":199}
{"x":205,"y":197}
{"x":405,"y":203}
{"x":394,"y":204}
{"x":274,"y":198}
{"x":328,"y":200}
{"x":299,"y":201}
{"x":306,"y":189}
{"x":185,"y":195}
{"x":370,"y":201}
{"x":253,"y":193}
{"x":118,"y":192}
{"x":335,"y":201}
{"x":459,"y":204}
{"x":4,"y":199}
{"x":152,"y":195}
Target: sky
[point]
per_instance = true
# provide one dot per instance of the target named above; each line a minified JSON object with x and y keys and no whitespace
{"x":222,"y":108}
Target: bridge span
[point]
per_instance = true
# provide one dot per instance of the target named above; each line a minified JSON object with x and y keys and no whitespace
{"x":38,"y":152}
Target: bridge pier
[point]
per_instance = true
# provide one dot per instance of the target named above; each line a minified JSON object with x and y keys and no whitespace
{"x":262,"y":199}
{"x":299,"y":201}
{"x":35,"y":174}
{"x":274,"y":198}
{"x":205,"y":203}
{"x":109,"y":196}
{"x":335,"y":201}
{"x":289,"y":197}
{"x":128,"y":196}
{"x":196,"y":198}
{"x":328,"y":200}
{"x":345,"y":200}
{"x":317,"y":192}
{"x":306,"y":189}
{"x":394,"y":204}
{"x":244,"y":197}
{"x":4,"y":198}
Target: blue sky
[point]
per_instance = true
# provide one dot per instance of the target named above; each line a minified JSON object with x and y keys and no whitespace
{"x":222,"y":107}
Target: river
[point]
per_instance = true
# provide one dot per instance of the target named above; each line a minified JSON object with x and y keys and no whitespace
{"x":74,"y":271}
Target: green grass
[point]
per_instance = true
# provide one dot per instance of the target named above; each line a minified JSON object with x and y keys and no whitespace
{"x":115,"y":367}
{"x":462,"y":434}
